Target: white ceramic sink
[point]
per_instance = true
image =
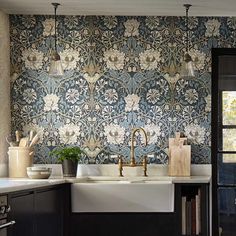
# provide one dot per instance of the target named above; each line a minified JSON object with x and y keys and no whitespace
{"x":139,"y":194}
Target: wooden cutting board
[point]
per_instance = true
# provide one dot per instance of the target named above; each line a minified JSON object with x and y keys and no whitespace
{"x":179,"y":158}
{"x":177,"y":141}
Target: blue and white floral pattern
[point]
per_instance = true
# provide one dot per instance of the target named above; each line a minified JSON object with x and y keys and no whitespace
{"x":120,"y":73}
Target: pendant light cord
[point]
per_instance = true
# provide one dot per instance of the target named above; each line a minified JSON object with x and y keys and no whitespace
{"x":187,"y":6}
{"x":55,"y":28}
{"x":55,"y":20}
{"x":55,"y":69}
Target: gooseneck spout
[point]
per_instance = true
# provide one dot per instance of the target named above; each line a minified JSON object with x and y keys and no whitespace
{"x":132,"y":158}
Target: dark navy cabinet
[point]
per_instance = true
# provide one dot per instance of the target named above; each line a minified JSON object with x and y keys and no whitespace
{"x":49,"y":212}
{"x":22,"y":211}
{"x":227,"y":210}
{"x":46,"y":211}
{"x":38,"y":212}
{"x":145,"y":224}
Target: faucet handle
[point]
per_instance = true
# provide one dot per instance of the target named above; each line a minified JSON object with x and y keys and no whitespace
{"x":120,"y":163}
{"x":145,"y":166}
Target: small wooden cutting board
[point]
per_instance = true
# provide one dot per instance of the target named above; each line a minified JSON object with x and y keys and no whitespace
{"x":179,"y":157}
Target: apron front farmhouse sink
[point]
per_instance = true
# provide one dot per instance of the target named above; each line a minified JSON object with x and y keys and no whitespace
{"x":123,"y":195}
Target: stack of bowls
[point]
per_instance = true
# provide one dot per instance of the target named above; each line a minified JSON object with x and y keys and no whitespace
{"x":39,"y":172}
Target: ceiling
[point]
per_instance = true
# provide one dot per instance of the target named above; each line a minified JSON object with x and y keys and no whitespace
{"x":121,"y":7}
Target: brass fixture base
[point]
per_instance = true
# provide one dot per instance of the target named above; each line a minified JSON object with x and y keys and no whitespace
{"x":121,"y":165}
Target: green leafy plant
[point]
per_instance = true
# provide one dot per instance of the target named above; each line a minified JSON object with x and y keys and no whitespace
{"x":67,"y":153}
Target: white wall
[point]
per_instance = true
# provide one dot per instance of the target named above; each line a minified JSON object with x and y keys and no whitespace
{"x":4,"y":90}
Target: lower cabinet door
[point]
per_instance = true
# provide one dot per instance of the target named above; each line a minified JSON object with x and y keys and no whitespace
{"x":37,"y":213}
{"x":49,"y":212}
{"x":227,"y":211}
{"x":22,"y":212}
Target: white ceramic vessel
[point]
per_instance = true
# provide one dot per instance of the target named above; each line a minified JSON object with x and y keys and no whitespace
{"x":39,"y":172}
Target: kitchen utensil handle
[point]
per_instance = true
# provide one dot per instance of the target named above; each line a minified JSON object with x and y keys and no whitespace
{"x":34,"y":140}
{"x":17,"y":136}
{"x":31,"y":135}
{"x":31,"y":153}
{"x":7,"y":224}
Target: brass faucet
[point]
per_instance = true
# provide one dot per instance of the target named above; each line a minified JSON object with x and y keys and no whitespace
{"x":132,"y":159}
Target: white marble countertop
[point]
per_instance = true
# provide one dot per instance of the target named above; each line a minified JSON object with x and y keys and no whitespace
{"x":17,"y":184}
{"x":104,"y":174}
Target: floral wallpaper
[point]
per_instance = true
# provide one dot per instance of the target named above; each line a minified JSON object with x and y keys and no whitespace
{"x":120,"y":73}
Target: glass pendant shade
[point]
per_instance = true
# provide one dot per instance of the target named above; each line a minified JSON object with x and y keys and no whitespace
{"x":187,"y":69}
{"x":55,"y":69}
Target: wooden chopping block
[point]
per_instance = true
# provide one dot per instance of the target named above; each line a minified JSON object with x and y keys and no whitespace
{"x":179,"y":160}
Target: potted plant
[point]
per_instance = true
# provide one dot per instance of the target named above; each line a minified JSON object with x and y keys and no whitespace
{"x":68,"y":157}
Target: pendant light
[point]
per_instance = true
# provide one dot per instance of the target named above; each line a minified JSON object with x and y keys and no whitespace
{"x":187,"y":69}
{"x":55,"y":69}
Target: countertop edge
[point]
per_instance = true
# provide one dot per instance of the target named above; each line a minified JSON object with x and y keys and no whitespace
{"x":10,"y":185}
{"x":21,"y":185}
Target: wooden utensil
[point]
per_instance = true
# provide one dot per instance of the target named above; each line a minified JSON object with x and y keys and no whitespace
{"x":23,"y":142}
{"x":31,"y":153}
{"x":17,"y":133}
{"x":31,"y":135}
{"x":34,"y":140}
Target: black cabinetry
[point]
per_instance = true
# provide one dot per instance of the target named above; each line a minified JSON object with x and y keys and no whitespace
{"x":46,"y":211}
{"x":49,"y":212}
{"x":37,"y":212}
{"x":227,"y":210}
{"x":148,"y":224}
{"x":22,"y":211}
{"x":123,"y":224}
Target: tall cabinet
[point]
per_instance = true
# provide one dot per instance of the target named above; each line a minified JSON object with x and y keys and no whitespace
{"x":224,"y":142}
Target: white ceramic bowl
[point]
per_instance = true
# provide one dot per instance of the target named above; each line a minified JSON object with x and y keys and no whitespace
{"x":38,"y":168}
{"x":39,"y":172}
